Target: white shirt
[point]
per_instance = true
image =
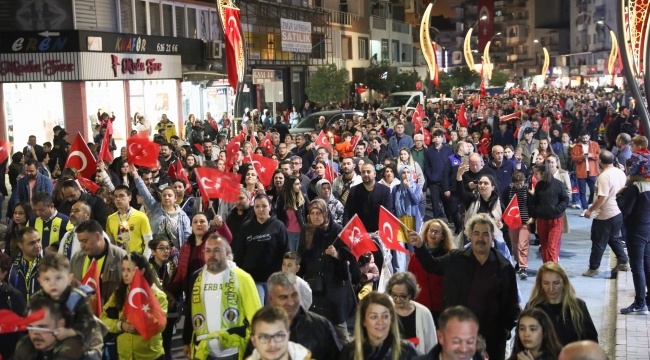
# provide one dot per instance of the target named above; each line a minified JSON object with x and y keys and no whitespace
{"x":212,"y":292}
{"x":305,"y":293}
{"x":585,"y":150}
{"x":608,"y":184}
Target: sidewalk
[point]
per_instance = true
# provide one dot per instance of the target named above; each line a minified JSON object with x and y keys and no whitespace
{"x":632,"y":331}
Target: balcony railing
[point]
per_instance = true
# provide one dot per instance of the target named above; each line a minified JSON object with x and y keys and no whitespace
{"x":401,"y":27}
{"x":342,"y":18}
{"x":378,"y":23}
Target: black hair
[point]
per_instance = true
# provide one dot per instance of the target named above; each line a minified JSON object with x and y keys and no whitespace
{"x":123,"y":187}
{"x":141,"y":264}
{"x":91,"y":226}
{"x":42,"y":197}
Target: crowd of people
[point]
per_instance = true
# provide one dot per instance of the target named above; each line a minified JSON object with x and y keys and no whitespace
{"x":268,"y":276}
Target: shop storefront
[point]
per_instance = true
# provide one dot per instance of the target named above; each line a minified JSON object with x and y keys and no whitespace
{"x":66,"y":78}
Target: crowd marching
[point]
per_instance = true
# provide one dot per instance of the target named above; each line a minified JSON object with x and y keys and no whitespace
{"x":319,"y":245}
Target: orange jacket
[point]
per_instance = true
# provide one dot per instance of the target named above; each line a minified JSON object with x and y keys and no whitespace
{"x":345,"y":149}
{"x":579,"y":160}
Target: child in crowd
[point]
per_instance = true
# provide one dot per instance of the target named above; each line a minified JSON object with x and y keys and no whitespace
{"x":291,"y":263}
{"x":345,"y":147}
{"x":369,"y":271}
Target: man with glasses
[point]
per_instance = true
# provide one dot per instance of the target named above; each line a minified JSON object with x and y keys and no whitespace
{"x":128,"y":228}
{"x":323,"y":155}
{"x":304,"y":151}
{"x":72,"y":193}
{"x":270,"y":336}
{"x":283,"y":152}
{"x":223,"y":297}
{"x":296,"y":170}
{"x":79,"y":213}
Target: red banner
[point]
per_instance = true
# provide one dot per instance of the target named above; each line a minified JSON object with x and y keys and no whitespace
{"x":485,"y":27}
{"x":234,"y":45}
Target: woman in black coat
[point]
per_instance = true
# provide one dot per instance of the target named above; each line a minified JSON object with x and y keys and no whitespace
{"x":15,"y":168}
{"x":329,"y":267}
{"x":10,"y":299}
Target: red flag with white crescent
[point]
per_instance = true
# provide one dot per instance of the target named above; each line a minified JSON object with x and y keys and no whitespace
{"x":142,"y":308}
{"x":87,"y":184}
{"x":512,"y":216}
{"x":5,"y":150}
{"x":217,"y":184}
{"x":388,"y":230}
{"x":268,"y":144}
{"x":81,"y":158}
{"x":234,"y":46}
{"x":10,"y":322}
{"x":323,"y":141}
{"x":92,"y":279}
{"x":355,"y":236}
{"x":417,"y":117}
{"x":264,"y":167}
{"x":142,"y":151}
{"x":105,"y":152}
{"x":462,"y":120}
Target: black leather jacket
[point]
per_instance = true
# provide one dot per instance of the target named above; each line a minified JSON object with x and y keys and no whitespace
{"x":313,"y":332}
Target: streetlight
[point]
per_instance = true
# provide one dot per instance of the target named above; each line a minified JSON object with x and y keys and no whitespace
{"x":495,"y":35}
{"x":613,"y":52}
{"x":466,"y":44}
{"x":536,"y":41}
{"x":484,"y":17}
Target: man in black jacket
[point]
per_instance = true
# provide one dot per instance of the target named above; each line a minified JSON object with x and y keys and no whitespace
{"x":73,"y":193}
{"x":308,"y":329}
{"x":479,"y":278}
{"x":366,"y":198}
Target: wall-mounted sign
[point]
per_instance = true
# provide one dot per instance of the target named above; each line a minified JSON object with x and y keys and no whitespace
{"x":47,"y":68}
{"x":296,"y":36}
{"x":131,"y":66}
{"x":261,"y":76}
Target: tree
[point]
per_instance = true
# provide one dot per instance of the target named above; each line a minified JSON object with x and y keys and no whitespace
{"x":328,"y":84}
{"x":445,"y":84}
{"x":406,"y":81}
{"x":464,"y":76}
{"x":380,"y":77}
{"x":499,"y":78}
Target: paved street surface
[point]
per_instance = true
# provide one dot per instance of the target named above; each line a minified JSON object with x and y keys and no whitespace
{"x":574,"y":256}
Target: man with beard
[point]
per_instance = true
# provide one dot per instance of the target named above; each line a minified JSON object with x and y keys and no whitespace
{"x":348,"y":179}
{"x":360,"y":152}
{"x":79,"y":213}
{"x":73,"y":193}
{"x":42,"y":342}
{"x":208,"y":155}
{"x":240,"y":213}
{"x":28,"y":185}
{"x":479,"y":278}
{"x":224,"y":297}
{"x":308,"y":329}
{"x":167,"y":154}
{"x":366,"y":198}
{"x":585,"y":157}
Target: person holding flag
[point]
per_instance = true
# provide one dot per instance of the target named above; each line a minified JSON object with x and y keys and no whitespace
{"x":406,"y":198}
{"x":329,"y":267}
{"x":516,"y":217}
{"x":133,"y":311}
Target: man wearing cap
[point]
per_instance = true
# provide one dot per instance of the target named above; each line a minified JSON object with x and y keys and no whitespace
{"x":504,"y":136}
{"x":528,"y":145}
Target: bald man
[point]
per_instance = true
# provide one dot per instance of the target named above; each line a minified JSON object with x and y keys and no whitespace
{"x":476,"y":169}
{"x":582,"y":350}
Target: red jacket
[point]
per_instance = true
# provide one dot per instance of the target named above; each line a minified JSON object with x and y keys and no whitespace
{"x":431,"y":285}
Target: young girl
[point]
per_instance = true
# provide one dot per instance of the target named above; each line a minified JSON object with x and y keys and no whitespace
{"x":543,"y":149}
{"x":536,"y":339}
{"x":165,"y":271}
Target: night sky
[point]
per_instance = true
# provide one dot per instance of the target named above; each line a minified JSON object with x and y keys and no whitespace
{"x":442,"y":7}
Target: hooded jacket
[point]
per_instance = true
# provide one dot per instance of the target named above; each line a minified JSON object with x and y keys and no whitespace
{"x":259,"y":248}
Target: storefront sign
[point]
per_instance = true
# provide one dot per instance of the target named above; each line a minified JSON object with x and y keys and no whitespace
{"x":296,"y":36}
{"x":592,"y":70}
{"x":261,"y":76}
{"x":47,"y":68}
{"x":39,"y":67}
{"x":131,"y":66}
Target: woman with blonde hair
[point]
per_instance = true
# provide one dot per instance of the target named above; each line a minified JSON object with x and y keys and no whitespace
{"x":554,"y":294}
{"x":376,"y":332}
{"x":438,"y":241}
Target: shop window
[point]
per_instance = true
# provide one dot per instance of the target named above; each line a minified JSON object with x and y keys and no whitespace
{"x":154,"y":19}
{"x":180,"y":21}
{"x":153,"y":98}
{"x":108,"y":96}
{"x":205,"y":24}
{"x":141,"y":17}
{"x":126,"y":16}
{"x":191,"y":23}
{"x":168,"y":20}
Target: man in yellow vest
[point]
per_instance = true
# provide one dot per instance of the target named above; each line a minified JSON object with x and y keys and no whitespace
{"x":221,"y":329}
{"x":50,"y":224}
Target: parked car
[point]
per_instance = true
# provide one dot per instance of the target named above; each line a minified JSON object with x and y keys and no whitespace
{"x":308,"y":124}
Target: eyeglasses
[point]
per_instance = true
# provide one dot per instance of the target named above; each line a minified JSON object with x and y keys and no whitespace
{"x":434,"y":231}
{"x":400,"y":297}
{"x":166,"y":248}
{"x":277,"y":338}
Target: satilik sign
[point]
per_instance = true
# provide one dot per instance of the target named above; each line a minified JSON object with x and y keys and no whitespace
{"x":296,"y":36}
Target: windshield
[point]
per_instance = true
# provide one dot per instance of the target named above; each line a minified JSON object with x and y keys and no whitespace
{"x":396,"y":100}
{"x":308,"y":122}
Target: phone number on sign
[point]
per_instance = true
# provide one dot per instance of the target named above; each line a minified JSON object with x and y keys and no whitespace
{"x":167,"y":48}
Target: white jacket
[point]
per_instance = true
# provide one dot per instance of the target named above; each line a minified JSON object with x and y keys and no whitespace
{"x":425,"y":329}
{"x":296,"y":352}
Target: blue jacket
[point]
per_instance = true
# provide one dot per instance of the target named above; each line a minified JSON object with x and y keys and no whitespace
{"x":503,"y":173}
{"x":156,"y":214}
{"x":21,"y":193}
{"x":434,"y":161}
{"x":503,"y":139}
{"x":449,"y":172}
{"x":393,"y":146}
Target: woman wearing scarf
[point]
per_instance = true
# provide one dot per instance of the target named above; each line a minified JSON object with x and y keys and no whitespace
{"x":406,"y":197}
{"x":324,"y":191}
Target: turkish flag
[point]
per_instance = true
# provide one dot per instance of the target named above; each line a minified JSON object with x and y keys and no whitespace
{"x":324,"y":141}
{"x":141,"y":151}
{"x":92,"y":279}
{"x":418,"y":115}
{"x":268,"y":144}
{"x":484,"y":148}
{"x":512,"y":216}
{"x":213,"y":123}
{"x":253,"y":140}
{"x":264,"y":167}
{"x":511,"y":117}
{"x":446,"y":124}
{"x":476,"y":103}
{"x":462,"y":120}
{"x":355,"y":236}
{"x":105,"y":152}
{"x":10,"y":322}
{"x":330,"y":175}
{"x":427,"y":137}
{"x":533,"y":181}
{"x":354,"y":141}
{"x":390,"y":225}
{"x":5,"y":150}
{"x":177,"y":171}
{"x":234,"y":45}
{"x":142,"y":309}
{"x":217,"y":184}
{"x":87,"y":184}
{"x":544,"y":126}
{"x":199,"y":147}
{"x":232,"y":150}
{"x":81,"y":158}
